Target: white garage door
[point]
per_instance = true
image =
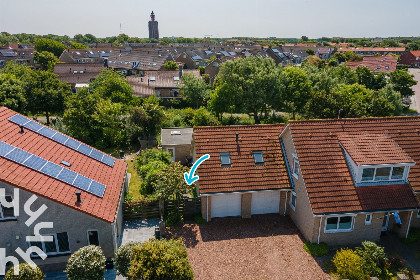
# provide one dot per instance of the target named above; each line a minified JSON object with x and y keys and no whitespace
{"x":225,"y":205}
{"x":265,"y":202}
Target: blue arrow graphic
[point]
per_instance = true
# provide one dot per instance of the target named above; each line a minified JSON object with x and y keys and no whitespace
{"x":189,"y":177}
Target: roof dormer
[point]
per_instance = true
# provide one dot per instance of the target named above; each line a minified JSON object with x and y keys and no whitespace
{"x":375,"y":159}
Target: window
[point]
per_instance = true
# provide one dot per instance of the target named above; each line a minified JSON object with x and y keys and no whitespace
{"x":383,"y":174}
{"x":296,"y":167}
{"x":339,"y":224}
{"x":368,"y":219}
{"x":293,"y":201}
{"x":59,"y":245}
{"x":225,"y":159}
{"x":215,"y":64}
{"x":7,"y":213}
{"x":386,"y":67}
{"x":258,"y":158}
{"x":93,"y":237}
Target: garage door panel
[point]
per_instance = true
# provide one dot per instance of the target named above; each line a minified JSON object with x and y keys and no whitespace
{"x":265,"y":202}
{"x":226,"y":205}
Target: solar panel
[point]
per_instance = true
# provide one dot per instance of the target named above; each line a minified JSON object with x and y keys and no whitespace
{"x":35,"y":162}
{"x":97,"y":155}
{"x":18,"y":155}
{"x":5,"y":148}
{"x":84,"y":149}
{"x":34,"y":126}
{"x":18,"y":119}
{"x":51,"y":169}
{"x":97,"y":188}
{"x":60,"y":138}
{"x":45,"y":131}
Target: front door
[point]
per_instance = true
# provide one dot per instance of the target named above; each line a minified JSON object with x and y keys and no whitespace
{"x":171,"y":151}
{"x":385,"y":221}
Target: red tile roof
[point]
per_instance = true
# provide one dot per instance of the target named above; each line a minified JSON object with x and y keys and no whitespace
{"x":368,"y":149}
{"x":42,"y":185}
{"x":385,"y":63}
{"x":328,"y":181}
{"x":243,"y":175}
{"x":415,"y":53}
{"x":374,"y":49}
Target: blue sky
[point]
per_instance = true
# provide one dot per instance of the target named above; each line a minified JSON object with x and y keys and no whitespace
{"x":228,"y":18}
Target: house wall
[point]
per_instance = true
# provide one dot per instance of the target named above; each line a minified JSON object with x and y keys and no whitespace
{"x":212,"y":70}
{"x":408,"y":58}
{"x":65,"y":219}
{"x":181,"y":151}
{"x":189,"y":63}
{"x":246,"y":200}
{"x":65,"y":57}
{"x":302,"y":216}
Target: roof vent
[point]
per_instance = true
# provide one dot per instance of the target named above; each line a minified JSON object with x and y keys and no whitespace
{"x":66,"y":163}
{"x":21,"y":129}
{"x":78,"y":195}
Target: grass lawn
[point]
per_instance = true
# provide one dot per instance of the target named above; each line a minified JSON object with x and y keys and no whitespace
{"x":135,"y":181}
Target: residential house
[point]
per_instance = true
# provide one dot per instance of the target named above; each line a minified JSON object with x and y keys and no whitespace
{"x":82,"y":188}
{"x":20,"y":55}
{"x":78,"y":75}
{"x":162,"y":83}
{"x":340,"y":181}
{"x":384,"y":64}
{"x":373,"y":50}
{"x":411,"y":58}
{"x":245,"y":174}
{"x":177,"y":141}
{"x":212,"y":69}
{"x":87,"y":55}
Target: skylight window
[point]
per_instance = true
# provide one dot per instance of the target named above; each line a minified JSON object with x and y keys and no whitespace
{"x":176,"y":78}
{"x":152,"y":79}
{"x":225,"y":159}
{"x":258,"y":158}
{"x":175,"y":132}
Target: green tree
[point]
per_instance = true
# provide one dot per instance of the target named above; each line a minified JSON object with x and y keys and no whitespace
{"x":221,"y":101}
{"x":369,"y":79}
{"x":294,"y":89}
{"x":26,"y":272}
{"x":49,"y":45}
{"x":46,"y":59}
{"x":305,"y":38}
{"x":46,"y":94}
{"x":374,"y":259}
{"x":313,"y":60}
{"x":251,"y":85}
{"x":203,"y":117}
{"x":75,"y":45}
{"x":123,"y":257}
{"x":194,"y":90}
{"x":390,"y":43}
{"x":12,"y":93}
{"x":160,"y":260}
{"x":170,"y":65}
{"x":310,"y":51}
{"x":349,"y":265}
{"x":402,"y":81}
{"x":88,"y":263}
{"x":111,"y":84}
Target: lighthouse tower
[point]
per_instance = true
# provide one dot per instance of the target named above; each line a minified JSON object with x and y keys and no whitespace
{"x":153,"y":27}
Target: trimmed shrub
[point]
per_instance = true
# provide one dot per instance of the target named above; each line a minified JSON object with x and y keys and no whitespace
{"x":123,"y":257}
{"x":173,"y":218}
{"x":315,"y":249}
{"x":349,"y":265}
{"x":88,"y":263}
{"x":160,"y":260}
{"x":26,"y":272}
{"x":199,"y":220}
{"x":374,"y":259}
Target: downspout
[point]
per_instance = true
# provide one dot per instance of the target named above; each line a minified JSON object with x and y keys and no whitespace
{"x":319,"y":229}
{"x":285,"y":205}
{"x":114,"y":233}
{"x":409,"y":223}
{"x":207,"y":206}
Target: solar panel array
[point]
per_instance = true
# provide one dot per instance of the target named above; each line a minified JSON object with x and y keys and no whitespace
{"x":62,"y":139}
{"x":51,"y":169}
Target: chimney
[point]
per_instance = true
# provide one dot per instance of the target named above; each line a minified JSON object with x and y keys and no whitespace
{"x":21,"y":129}
{"x":78,"y":194}
{"x":180,"y":72}
{"x":237,"y":136}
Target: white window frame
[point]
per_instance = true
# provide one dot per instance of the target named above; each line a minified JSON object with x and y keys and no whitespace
{"x":295,"y":162}
{"x":57,"y":253}
{"x":2,"y":218}
{"x":262,"y":156}
{"x":368,"y":221}
{"x":226,"y":164}
{"x":87,"y":235}
{"x":338,"y":222}
{"x":375,"y":167}
{"x":291,"y":199}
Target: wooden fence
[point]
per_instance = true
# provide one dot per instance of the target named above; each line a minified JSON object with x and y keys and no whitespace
{"x":148,"y":210}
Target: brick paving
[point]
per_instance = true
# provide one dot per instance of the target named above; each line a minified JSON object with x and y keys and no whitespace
{"x":263,"y":247}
